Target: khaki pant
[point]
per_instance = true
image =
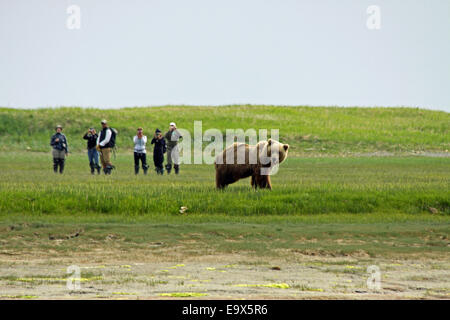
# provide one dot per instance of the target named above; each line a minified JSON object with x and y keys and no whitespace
{"x":105,"y":157}
{"x":173,"y":155}
{"x":58,"y":154}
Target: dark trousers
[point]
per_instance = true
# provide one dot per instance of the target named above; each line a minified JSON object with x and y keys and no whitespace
{"x":142,"y":157}
{"x":158,"y":160}
{"x":58,"y":160}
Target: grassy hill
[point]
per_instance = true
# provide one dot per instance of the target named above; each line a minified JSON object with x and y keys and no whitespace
{"x":309,"y":130}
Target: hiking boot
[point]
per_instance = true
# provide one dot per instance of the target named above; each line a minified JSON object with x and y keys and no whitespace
{"x":145,"y":168}
{"x":177,"y":168}
{"x":136,"y":170}
{"x":98,"y":169}
{"x":109,"y":169}
{"x":168,"y":168}
{"x":92,"y":168}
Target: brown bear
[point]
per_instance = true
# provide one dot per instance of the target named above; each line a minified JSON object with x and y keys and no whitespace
{"x":241,"y":160}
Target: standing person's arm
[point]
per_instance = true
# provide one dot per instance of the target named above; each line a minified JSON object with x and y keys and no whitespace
{"x":153,"y":140}
{"x":97,"y":147}
{"x":53,"y":142}
{"x":85,"y":137}
{"x":66,"y":146}
{"x":144,"y":138}
{"x":107,"y":138}
{"x":163,"y":143}
{"x":135,"y":140}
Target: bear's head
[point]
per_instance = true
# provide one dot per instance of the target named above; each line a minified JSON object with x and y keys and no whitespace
{"x":274,"y":150}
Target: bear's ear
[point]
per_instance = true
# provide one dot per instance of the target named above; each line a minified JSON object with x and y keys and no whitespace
{"x":285,"y":147}
{"x":270,"y":142}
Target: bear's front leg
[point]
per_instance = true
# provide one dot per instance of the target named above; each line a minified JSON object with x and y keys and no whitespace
{"x":264,"y":182}
{"x":268,"y":183}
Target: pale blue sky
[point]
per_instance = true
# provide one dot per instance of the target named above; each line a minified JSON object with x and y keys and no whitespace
{"x":211,"y":52}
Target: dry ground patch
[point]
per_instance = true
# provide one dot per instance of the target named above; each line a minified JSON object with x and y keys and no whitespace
{"x":208,"y":261}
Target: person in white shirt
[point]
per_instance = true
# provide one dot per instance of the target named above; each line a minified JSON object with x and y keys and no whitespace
{"x":140,"y":154}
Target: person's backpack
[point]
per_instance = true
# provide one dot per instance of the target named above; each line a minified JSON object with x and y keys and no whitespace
{"x":112,"y":141}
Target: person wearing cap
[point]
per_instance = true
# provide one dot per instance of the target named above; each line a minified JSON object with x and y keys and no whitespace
{"x":139,"y":151}
{"x":158,"y":151}
{"x":60,"y":149}
{"x":91,"y":136}
{"x":172,"y":137}
{"x":104,"y":146}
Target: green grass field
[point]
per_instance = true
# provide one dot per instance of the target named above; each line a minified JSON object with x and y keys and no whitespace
{"x":345,"y":196}
{"x":326,"y":186}
{"x":330,"y":198}
{"x":302,"y":187}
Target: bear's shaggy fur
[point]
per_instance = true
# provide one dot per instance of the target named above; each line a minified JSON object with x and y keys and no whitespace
{"x":231,"y":165}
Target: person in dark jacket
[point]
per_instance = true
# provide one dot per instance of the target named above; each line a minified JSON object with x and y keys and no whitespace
{"x":91,"y":136}
{"x":60,"y":149}
{"x":158,"y":151}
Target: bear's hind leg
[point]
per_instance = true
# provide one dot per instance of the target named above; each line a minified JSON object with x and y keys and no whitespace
{"x":220,"y":183}
{"x":253,"y":182}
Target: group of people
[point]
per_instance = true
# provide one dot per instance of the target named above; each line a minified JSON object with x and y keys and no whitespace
{"x":162,"y":144}
{"x":103,"y":145}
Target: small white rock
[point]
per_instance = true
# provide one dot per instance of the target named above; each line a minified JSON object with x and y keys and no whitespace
{"x":183,"y":209}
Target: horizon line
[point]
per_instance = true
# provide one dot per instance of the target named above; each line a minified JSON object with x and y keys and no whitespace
{"x":223,"y":105}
